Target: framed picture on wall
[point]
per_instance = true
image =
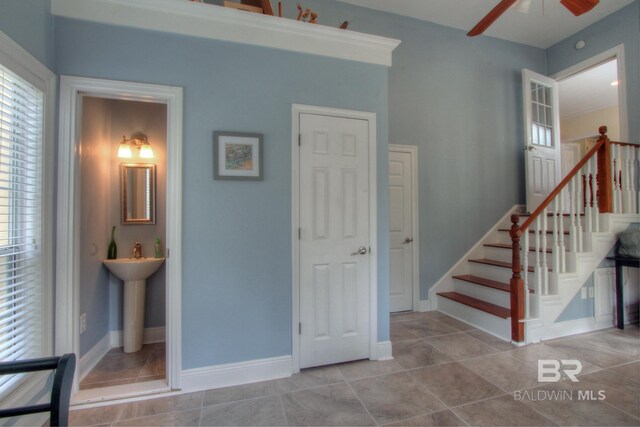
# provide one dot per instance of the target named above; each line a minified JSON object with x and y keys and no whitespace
{"x":237,"y":155}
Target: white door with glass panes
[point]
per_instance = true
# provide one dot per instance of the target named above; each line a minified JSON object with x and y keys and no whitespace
{"x":334,"y":239}
{"x":542,"y":136}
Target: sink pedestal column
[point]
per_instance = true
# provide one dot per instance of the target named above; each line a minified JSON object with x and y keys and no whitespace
{"x":133,"y":315}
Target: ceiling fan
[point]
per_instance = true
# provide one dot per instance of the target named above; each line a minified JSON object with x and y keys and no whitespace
{"x":577,"y":7}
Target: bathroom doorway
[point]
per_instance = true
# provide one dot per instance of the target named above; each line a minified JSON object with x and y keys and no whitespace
{"x":108,"y":174}
{"x":122,"y":353}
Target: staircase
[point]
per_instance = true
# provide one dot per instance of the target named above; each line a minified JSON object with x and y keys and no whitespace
{"x":518,"y":294}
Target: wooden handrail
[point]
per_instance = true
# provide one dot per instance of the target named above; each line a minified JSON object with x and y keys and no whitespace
{"x":604,"y":203}
{"x":545,"y":203}
{"x":624,"y":144}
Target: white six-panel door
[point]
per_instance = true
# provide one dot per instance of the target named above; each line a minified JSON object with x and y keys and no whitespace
{"x":334,"y":240}
{"x":401,"y":233}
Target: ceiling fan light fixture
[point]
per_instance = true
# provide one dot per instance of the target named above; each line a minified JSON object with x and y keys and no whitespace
{"x":579,"y":7}
{"x":523,"y":6}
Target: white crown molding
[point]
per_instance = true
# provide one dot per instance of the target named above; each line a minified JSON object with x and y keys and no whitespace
{"x":220,"y":23}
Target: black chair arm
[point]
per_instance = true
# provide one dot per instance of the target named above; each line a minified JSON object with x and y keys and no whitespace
{"x":58,"y":407}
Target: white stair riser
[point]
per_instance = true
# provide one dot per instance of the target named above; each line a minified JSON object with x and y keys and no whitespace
{"x":566,"y":221}
{"x":484,"y":293}
{"x":488,"y":322}
{"x":492,"y":272}
{"x":506,"y":255}
{"x":506,"y":239}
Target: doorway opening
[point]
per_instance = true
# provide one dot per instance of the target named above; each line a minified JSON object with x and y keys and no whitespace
{"x":95,"y":318}
{"x":592,"y":93}
{"x":126,"y":196}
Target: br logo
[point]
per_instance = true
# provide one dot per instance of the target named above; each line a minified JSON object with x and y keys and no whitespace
{"x":549,"y":370}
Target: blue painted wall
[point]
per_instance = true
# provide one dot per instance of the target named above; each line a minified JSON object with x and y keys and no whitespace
{"x":622,"y":26}
{"x":236,"y":235}
{"x":459,"y":100}
{"x":30,"y":24}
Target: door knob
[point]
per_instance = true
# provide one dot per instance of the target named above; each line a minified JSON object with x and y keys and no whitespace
{"x":529,"y":148}
{"x":407,"y":241}
{"x":361,"y":251}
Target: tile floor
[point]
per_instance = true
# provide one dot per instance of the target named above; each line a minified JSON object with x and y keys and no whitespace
{"x":118,"y":367}
{"x":444,"y":373}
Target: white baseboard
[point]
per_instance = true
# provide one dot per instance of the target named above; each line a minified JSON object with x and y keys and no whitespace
{"x":384,"y":351}
{"x":230,"y":374}
{"x":425,"y":305}
{"x":150,"y":336}
{"x":577,"y":326}
{"x":91,"y":358}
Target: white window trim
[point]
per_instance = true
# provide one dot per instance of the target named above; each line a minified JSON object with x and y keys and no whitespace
{"x":22,"y":63}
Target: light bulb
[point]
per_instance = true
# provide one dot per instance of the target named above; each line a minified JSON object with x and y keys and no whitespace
{"x":124,"y":151}
{"x":146,"y":152}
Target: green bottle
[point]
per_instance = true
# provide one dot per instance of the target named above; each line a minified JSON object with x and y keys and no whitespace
{"x":113,"y":249}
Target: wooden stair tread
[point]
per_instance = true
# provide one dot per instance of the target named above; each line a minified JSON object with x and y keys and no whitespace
{"x":496,"y":263}
{"x":487,"y":307}
{"x":549,"y":214}
{"x":484,"y":282}
{"x":566,"y":233}
{"x":506,"y":246}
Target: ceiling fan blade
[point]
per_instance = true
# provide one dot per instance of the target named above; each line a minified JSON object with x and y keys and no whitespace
{"x":491,"y":17}
{"x":578,"y":7}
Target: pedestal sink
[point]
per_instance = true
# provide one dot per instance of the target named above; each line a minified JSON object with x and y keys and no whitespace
{"x":134,"y":272}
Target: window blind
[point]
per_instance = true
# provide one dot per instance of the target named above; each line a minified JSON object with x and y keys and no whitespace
{"x":21,"y":121}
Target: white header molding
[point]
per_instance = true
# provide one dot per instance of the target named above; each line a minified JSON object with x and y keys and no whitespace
{"x":220,"y":23}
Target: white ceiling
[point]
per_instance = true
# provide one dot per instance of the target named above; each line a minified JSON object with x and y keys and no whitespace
{"x":589,"y":91}
{"x":537,"y":28}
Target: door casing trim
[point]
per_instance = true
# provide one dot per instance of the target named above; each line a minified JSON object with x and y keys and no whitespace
{"x":616,"y":52}
{"x":415,"y":198}
{"x":371,"y":118}
{"x":67,"y":337}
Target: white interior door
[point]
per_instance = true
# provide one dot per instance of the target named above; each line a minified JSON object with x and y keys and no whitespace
{"x":542,"y":136}
{"x":401,"y":233}
{"x":334,"y":240}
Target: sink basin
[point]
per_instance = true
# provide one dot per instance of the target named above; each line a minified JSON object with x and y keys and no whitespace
{"x":134,"y":273}
{"x":132,"y":269}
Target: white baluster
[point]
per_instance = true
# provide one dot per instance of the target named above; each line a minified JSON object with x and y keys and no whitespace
{"x":614,"y":181}
{"x":562,"y":249}
{"x":544,"y":268}
{"x":580,"y":207}
{"x":556,"y":235}
{"x":627,"y":179}
{"x":635,"y":174}
{"x":525,"y":271}
{"x":596,"y":208}
{"x":573,"y":228}
{"x":588,"y":194}
{"x":537,"y":272}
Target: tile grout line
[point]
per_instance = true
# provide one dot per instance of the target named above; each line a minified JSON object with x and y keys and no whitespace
{"x":363,"y":405}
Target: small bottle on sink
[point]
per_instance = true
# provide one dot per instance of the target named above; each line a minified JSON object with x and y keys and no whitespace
{"x":158,"y":250}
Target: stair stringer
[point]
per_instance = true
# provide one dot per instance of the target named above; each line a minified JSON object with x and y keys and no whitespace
{"x":569,"y":284}
{"x":461,"y":267}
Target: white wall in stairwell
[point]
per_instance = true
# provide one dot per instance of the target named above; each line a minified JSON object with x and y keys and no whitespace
{"x":580,"y":308}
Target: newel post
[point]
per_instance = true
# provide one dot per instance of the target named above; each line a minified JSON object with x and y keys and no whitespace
{"x":605,"y":199}
{"x":516,"y":284}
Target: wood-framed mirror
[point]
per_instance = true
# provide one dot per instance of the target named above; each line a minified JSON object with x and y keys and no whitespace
{"x":138,"y":193}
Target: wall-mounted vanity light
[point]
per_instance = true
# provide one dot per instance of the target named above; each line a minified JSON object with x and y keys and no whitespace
{"x":139,"y":141}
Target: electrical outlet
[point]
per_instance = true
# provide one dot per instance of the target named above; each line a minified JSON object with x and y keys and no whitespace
{"x":83,"y":322}
{"x":590,"y":291}
{"x":583,"y":293}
